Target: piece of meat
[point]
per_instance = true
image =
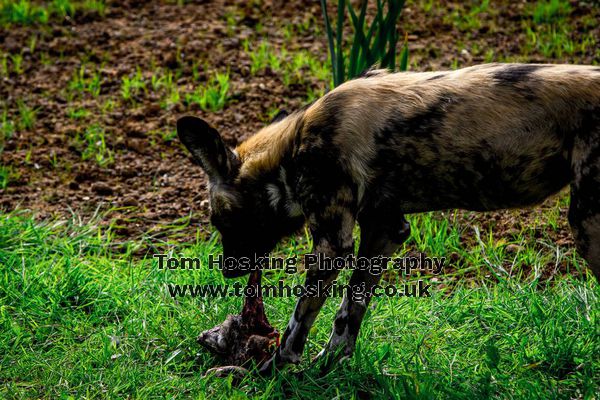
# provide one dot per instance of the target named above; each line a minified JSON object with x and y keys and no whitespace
{"x":244,"y":337}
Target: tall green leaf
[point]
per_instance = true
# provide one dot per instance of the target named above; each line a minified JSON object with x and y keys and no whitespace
{"x":377,"y":46}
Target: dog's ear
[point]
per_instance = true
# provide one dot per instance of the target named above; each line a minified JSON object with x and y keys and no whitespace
{"x":207,"y":147}
{"x":280,"y":115}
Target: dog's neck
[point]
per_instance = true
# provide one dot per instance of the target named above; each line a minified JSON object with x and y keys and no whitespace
{"x":264,"y":152}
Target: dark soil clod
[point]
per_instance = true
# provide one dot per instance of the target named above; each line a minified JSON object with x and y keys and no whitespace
{"x":102,"y":188}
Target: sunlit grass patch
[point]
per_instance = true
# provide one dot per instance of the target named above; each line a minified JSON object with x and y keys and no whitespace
{"x":26,"y":12}
{"x":77,"y":113}
{"x":92,"y":142}
{"x":7,"y":129}
{"x":85,"y":314}
{"x":6,"y":175}
{"x":469,"y":19}
{"x":22,"y":12}
{"x":549,"y":11}
{"x":213,"y":95}
{"x":86,"y":79}
{"x":553,"y":41}
{"x":132,"y":86}
{"x":27,"y":115}
{"x":291,"y":67}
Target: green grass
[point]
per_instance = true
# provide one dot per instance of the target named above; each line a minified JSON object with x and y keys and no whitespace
{"x":165,"y":83}
{"x":132,"y":86}
{"x":469,"y":20}
{"x":77,"y":113}
{"x":63,"y":8}
{"x":86,"y":80}
{"x":161,"y":80}
{"x":372,"y":43}
{"x":232,"y":17}
{"x":81,"y":316}
{"x":22,"y":12}
{"x":4,"y":68}
{"x":25,"y":12}
{"x":213,"y":95}
{"x":487,"y":251}
{"x":298,"y":67}
{"x":97,"y":6}
{"x":264,"y":55}
{"x":549,"y":32}
{"x":550,"y":11}
{"x":554,"y":42}
{"x":6,"y":173}
{"x":310,"y":24}
{"x":7,"y":129}
{"x":259,"y":58}
{"x":93,"y":144}
{"x":165,"y":136}
{"x":17,"y":63}
{"x":27,"y":115}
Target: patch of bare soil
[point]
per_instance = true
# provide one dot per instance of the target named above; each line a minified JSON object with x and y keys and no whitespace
{"x":151,"y":186}
{"x":151,"y":182}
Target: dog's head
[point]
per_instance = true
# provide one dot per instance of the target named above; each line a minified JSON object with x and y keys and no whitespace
{"x":250,"y":214}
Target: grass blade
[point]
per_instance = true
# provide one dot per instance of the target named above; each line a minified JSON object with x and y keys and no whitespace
{"x":376,"y":46}
{"x":330,"y":40}
{"x":404,"y":57}
{"x":359,"y":37}
{"x":339,"y":34}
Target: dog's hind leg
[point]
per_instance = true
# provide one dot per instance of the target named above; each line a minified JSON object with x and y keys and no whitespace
{"x":584,"y":212}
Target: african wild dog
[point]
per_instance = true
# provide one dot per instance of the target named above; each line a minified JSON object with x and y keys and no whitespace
{"x":386,"y":144}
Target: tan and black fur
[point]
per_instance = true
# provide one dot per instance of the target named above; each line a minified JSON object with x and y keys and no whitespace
{"x":378,"y":147}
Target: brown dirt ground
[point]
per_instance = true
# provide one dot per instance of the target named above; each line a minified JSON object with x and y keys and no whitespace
{"x":152,"y":183}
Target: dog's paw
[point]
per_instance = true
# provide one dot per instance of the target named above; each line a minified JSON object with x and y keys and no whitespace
{"x":327,"y":359}
{"x":280,"y":359}
{"x":268,"y":367}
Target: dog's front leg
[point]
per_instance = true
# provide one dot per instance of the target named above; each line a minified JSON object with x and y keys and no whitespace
{"x":331,"y":228}
{"x":379,"y":237}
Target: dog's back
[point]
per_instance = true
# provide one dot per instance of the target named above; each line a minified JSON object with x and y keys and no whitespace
{"x":481,"y":138}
